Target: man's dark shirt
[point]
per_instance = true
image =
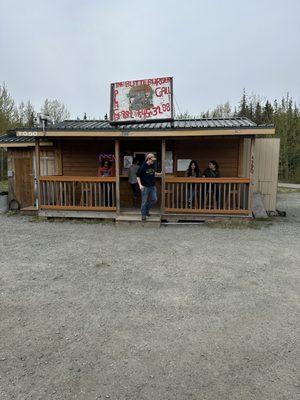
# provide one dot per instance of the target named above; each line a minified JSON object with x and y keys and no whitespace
{"x":147,"y":175}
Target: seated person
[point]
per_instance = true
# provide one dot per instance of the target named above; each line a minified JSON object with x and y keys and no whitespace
{"x":105,"y":169}
{"x":212,"y":171}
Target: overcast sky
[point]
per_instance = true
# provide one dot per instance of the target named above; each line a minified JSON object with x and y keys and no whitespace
{"x":72,"y":50}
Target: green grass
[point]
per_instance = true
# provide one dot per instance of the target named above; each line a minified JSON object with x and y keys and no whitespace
{"x":287,"y":190}
{"x":234,"y":224}
{"x":3,"y":185}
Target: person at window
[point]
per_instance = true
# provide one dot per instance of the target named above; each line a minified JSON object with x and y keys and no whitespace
{"x":132,"y":179}
{"x":193,"y":171}
{"x":105,"y":169}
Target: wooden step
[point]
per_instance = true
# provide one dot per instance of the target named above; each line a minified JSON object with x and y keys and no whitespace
{"x":154,"y":220}
{"x":29,"y":210}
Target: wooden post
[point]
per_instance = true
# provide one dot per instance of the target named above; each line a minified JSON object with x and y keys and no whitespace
{"x":37,"y":171}
{"x":163,"y":171}
{"x":251,"y":173}
{"x":117,"y":165}
{"x":241,"y":152}
{"x":59,"y":158}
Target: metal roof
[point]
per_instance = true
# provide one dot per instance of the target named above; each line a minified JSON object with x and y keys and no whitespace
{"x":238,"y":123}
{"x":12,"y":138}
{"x":203,"y":123}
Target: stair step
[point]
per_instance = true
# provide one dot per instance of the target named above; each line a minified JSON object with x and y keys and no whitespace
{"x":136,"y":218}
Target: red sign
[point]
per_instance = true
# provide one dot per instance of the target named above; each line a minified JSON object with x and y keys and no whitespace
{"x":142,"y":100}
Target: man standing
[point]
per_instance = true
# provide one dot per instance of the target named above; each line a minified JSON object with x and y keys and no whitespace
{"x":132,"y":179}
{"x":146,"y":180}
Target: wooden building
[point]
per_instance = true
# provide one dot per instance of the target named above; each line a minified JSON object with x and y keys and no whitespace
{"x":56,"y":171}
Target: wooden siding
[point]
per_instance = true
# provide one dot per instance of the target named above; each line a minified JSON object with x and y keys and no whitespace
{"x":266,"y":170}
{"x":81,"y":157}
{"x":266,"y":160}
{"x":224,"y":150}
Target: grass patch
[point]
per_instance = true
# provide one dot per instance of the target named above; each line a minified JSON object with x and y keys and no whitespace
{"x":234,"y":224}
{"x":287,"y":190}
{"x":4,"y":185}
{"x":90,"y":221}
{"x":36,"y":219}
{"x":12,"y":213}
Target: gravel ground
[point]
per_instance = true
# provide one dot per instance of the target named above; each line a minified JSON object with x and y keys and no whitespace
{"x":93,"y":311}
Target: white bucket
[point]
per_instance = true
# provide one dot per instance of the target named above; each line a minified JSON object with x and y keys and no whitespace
{"x":3,"y":203}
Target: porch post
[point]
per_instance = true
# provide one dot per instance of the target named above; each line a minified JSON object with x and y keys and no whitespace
{"x":37,"y":171}
{"x":117,"y":165}
{"x":163,"y":169}
{"x":251,"y":173}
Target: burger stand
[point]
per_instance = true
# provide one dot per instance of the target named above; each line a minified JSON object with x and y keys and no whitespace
{"x":55,"y":169}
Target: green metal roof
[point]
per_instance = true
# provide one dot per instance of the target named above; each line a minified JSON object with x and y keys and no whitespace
{"x":177,"y":124}
{"x":238,"y":123}
{"x":12,"y":138}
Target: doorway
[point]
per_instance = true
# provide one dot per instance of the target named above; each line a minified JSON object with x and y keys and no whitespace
{"x":137,"y":148}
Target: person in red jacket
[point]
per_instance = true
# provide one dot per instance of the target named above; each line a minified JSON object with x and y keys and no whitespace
{"x":105,"y":169}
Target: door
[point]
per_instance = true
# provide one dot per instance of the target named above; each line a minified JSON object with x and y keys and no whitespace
{"x":24,"y":182}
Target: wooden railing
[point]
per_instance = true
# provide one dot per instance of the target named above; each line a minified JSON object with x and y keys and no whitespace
{"x":77,"y":193}
{"x":206,"y":195}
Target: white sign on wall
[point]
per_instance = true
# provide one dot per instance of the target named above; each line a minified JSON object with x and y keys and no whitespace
{"x":142,"y":100}
{"x":169,"y":162}
{"x":183,"y":164}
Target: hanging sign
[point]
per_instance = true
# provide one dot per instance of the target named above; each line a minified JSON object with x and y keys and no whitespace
{"x":142,"y":100}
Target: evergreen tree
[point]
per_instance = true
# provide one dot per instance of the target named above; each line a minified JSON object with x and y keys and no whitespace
{"x":243,"y":105}
{"x":8,"y":112}
{"x":267,"y":113}
{"x":258,"y":114}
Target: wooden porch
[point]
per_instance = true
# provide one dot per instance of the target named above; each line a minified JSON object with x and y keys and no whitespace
{"x":207,"y":196}
{"x":68,"y":194}
{"x":180,"y":195}
{"x":76,"y":193}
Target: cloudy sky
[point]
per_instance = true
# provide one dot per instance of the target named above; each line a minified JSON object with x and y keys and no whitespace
{"x":72,"y":49}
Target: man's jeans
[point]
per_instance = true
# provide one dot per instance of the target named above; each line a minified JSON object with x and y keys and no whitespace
{"x":149,"y":197}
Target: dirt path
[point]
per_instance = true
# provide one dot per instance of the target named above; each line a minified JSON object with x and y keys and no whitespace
{"x":90,"y":311}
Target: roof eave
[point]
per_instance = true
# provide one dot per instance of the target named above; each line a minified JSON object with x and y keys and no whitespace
{"x":218,"y":131}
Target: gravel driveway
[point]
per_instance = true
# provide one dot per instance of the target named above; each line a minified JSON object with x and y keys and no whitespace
{"x":93,"y":311}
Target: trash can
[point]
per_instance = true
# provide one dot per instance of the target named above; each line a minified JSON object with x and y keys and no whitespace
{"x":3,"y":202}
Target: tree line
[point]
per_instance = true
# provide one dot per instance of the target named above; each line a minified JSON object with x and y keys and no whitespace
{"x":22,"y":115}
{"x":13,"y":115}
{"x":284,"y":114}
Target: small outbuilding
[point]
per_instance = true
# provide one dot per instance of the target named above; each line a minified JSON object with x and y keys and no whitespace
{"x":56,"y":171}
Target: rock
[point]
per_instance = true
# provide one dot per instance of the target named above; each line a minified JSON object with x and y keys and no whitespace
{"x":258,"y":207}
